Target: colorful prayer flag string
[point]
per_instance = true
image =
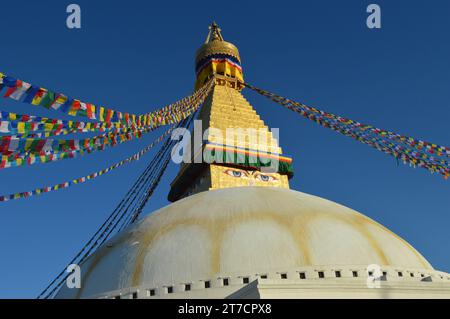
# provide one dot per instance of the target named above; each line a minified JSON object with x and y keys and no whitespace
{"x":18,"y":152}
{"x":12,"y":147}
{"x":22,"y":91}
{"x":43,"y":190}
{"x":406,"y":149}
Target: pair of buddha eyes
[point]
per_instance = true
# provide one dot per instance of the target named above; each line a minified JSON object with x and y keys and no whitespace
{"x":247,"y":174}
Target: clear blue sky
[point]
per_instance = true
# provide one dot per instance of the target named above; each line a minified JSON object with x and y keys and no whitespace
{"x":136,"y":56}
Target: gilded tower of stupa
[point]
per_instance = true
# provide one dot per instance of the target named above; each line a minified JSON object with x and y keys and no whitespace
{"x":238,"y":149}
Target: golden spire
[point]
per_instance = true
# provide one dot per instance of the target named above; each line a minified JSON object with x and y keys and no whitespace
{"x":250,"y":156}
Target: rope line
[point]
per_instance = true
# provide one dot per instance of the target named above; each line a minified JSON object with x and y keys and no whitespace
{"x":151,"y":176}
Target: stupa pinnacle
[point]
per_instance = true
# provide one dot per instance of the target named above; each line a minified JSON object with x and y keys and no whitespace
{"x":216,"y":56}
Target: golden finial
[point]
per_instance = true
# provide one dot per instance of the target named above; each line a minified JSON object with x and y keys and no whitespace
{"x":214,"y":33}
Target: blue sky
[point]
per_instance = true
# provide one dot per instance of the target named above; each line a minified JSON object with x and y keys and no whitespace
{"x":136,"y":56}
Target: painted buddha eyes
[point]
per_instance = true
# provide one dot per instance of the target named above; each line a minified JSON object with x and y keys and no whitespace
{"x":233,"y":173}
{"x":265,"y":178}
{"x":236,"y":173}
{"x":250,"y":174}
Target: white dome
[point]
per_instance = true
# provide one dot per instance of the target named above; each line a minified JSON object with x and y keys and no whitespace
{"x":240,"y":231}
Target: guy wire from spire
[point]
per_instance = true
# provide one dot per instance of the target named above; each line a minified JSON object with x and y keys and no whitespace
{"x":102,"y":228}
{"x":144,"y":178}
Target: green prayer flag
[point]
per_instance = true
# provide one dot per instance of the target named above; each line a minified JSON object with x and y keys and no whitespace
{"x":47,"y":100}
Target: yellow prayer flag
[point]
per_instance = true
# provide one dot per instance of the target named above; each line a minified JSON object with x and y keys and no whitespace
{"x":101,"y":114}
{"x":48,"y":126}
{"x":38,"y":97}
{"x":21,"y":127}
